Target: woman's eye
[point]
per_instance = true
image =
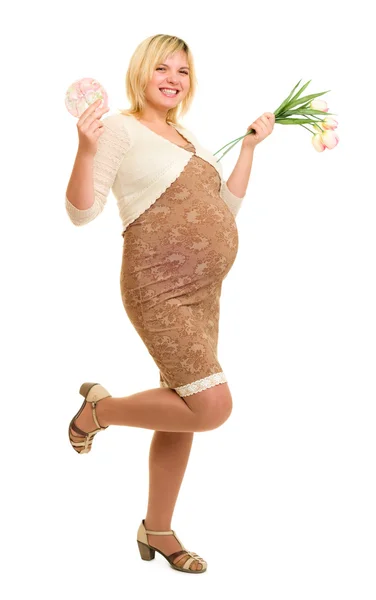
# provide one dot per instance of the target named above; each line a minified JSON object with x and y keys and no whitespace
{"x":162,"y":68}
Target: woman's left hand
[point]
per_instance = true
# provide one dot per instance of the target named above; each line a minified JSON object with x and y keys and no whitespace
{"x":263,"y":127}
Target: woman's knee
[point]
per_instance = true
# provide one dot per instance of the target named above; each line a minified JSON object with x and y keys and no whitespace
{"x":212,"y":407}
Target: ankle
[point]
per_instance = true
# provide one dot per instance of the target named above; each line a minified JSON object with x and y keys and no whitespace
{"x":103,"y":413}
{"x":157,"y":524}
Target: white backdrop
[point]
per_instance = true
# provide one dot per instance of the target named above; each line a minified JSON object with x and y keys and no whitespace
{"x":280,"y":499}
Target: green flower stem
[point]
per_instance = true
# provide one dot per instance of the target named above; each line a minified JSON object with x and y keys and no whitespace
{"x":318,"y":119}
{"x":233,"y":142}
{"x":313,"y":132}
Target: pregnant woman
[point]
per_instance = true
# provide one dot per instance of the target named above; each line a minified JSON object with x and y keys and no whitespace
{"x":179,"y":242}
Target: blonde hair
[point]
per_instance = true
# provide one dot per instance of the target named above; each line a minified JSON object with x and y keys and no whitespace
{"x":149,"y":53}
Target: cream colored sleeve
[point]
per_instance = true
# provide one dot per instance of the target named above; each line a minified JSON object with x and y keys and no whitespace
{"x":233,"y":202}
{"x":112,"y":146}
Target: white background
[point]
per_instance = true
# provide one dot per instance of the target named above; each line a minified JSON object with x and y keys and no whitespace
{"x":280,"y":500}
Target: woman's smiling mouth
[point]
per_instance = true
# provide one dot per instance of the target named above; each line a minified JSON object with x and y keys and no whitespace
{"x":168,"y":92}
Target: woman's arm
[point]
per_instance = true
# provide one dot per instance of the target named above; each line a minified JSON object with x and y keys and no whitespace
{"x":93,"y":176}
{"x":80,"y":190}
{"x":237,"y":183}
{"x":239,"y":178}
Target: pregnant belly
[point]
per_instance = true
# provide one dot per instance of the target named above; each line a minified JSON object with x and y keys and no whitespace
{"x":194,"y":242}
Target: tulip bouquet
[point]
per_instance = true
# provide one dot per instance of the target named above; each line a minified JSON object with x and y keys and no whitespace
{"x":303,"y":111}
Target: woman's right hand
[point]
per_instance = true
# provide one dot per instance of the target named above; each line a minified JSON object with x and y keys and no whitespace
{"x":90,"y":128}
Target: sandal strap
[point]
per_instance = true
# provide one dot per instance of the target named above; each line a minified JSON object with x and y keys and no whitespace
{"x":191,"y":557}
{"x":95,"y":415}
{"x":160,"y":532}
{"x":93,"y":405}
{"x":188,"y":563}
{"x":77,"y":429}
{"x":176,"y":554}
{"x":170,"y":532}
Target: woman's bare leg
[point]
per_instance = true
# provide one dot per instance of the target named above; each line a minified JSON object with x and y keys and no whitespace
{"x":174,"y":420}
{"x":162,"y":409}
{"x":168,"y":459}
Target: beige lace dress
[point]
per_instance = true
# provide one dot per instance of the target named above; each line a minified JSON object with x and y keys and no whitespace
{"x":176,"y":255}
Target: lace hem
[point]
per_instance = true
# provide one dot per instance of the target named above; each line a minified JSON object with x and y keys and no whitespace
{"x":199,"y":385}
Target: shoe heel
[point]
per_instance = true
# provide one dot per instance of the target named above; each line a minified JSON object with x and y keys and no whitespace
{"x":146,"y":552}
{"x":85,"y":387}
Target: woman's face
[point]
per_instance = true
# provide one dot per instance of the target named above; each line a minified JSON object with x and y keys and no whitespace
{"x":173,"y":73}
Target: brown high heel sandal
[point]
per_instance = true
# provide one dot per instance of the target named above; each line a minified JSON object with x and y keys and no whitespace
{"x":147,"y":552}
{"x":93,"y":392}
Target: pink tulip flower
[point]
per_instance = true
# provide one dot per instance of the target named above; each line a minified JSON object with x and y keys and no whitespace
{"x":330,"y":139}
{"x":325,"y":139}
{"x":329,"y":123}
{"x":317,"y":143}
